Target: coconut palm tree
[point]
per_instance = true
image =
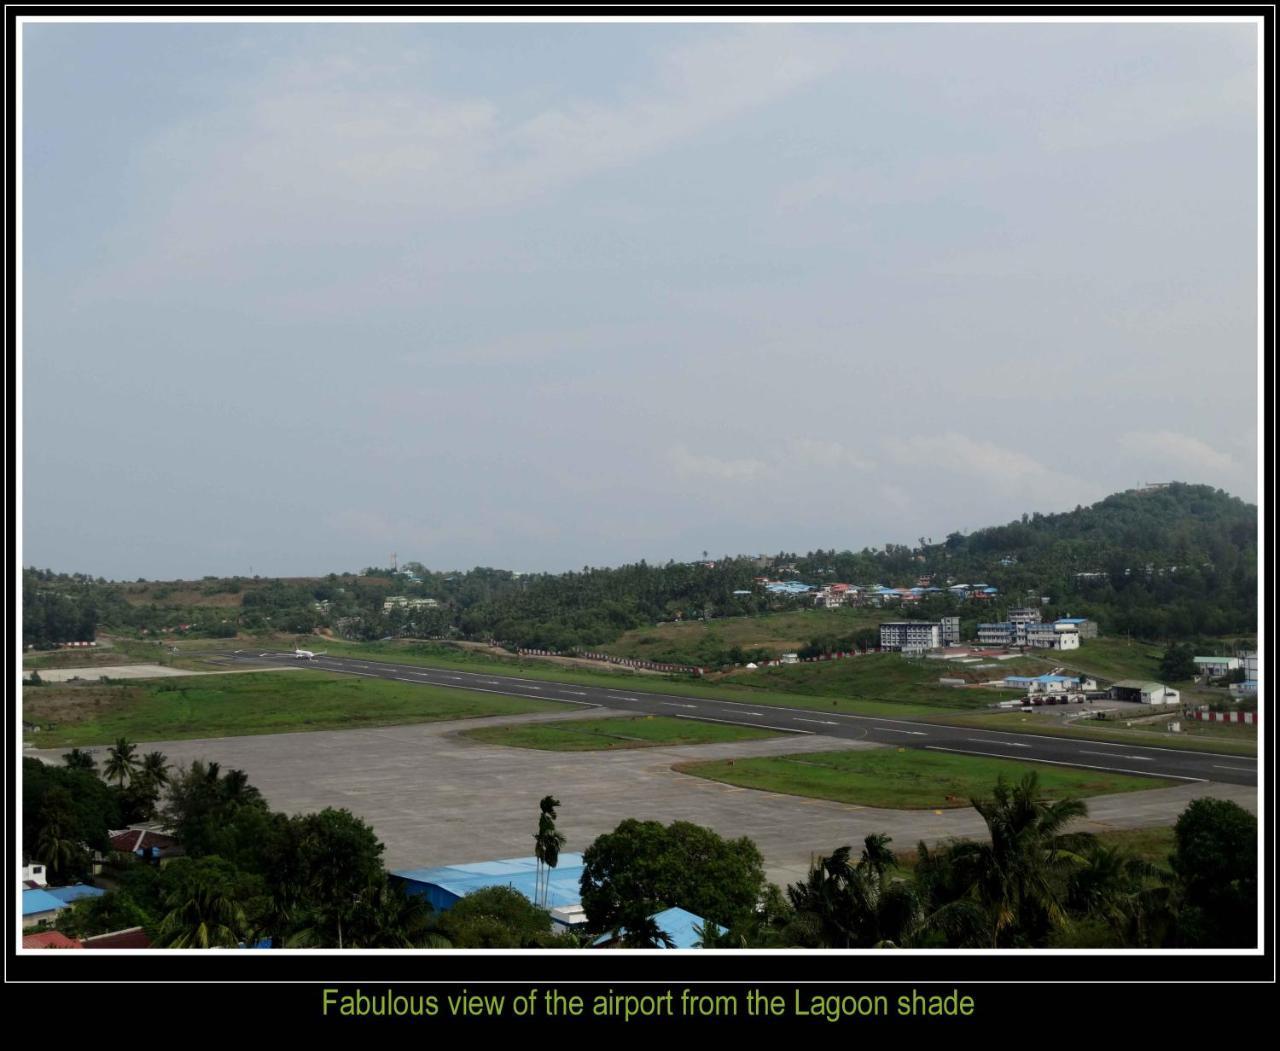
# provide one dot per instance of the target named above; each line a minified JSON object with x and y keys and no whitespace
{"x":205,"y":917}
{"x":122,"y":763}
{"x":155,"y":768}
{"x":1018,"y":876}
{"x":78,"y":760}
{"x":848,"y":905}
{"x":643,"y":932}
{"x":1123,"y":891}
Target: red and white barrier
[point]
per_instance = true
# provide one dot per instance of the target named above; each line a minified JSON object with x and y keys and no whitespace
{"x":1250,"y":718}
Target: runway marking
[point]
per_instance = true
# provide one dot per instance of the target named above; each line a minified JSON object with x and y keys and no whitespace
{"x":891,"y":730}
{"x":820,"y":722}
{"x":1058,"y":762}
{"x":672,"y":704}
{"x":1239,"y":769}
{"x":1143,"y":758}
{"x":576,"y":693}
{"x":763,"y":726}
{"x":1011,"y":744}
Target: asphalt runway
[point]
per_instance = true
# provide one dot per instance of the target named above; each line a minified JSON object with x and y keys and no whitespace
{"x":1179,"y":765}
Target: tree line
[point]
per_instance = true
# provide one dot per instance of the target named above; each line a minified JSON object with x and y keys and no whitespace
{"x":253,"y":876}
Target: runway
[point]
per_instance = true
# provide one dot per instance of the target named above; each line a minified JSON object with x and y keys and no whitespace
{"x":1179,"y":765}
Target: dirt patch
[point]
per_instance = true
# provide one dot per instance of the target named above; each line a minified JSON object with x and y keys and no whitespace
{"x":72,"y":703}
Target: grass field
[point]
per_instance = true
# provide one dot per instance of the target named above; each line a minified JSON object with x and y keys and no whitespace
{"x":828,"y":690}
{"x":906,"y":779}
{"x":887,"y":678}
{"x":233,"y":705}
{"x":1225,"y":740}
{"x":586,"y":735}
{"x":777,"y":632}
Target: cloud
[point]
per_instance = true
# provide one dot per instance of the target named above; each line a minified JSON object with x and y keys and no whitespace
{"x":1182,"y":451}
{"x":797,"y":459}
{"x":813,"y":452}
{"x":997,"y":468}
{"x":324,"y":151}
{"x":691,"y":465}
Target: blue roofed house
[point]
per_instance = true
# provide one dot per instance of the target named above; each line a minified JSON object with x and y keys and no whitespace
{"x":75,"y":892}
{"x":42,"y":904}
{"x":682,"y":927}
{"x":39,"y":906}
{"x":445,"y":885}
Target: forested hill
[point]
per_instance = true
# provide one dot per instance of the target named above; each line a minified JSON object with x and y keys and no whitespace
{"x":1170,"y":563}
{"x":1173,"y":561}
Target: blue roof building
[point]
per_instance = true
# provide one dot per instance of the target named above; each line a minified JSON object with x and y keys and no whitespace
{"x":75,"y":892}
{"x":38,"y":903}
{"x":679,"y":925}
{"x":446,"y":884}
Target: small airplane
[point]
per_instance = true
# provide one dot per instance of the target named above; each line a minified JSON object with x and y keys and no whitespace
{"x":306,"y":655}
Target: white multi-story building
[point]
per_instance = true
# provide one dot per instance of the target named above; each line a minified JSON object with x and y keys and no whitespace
{"x":404,"y":602}
{"x":1051,"y":637}
{"x":910,"y":635}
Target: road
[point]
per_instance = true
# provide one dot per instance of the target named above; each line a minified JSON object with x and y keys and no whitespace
{"x":1177,"y":764}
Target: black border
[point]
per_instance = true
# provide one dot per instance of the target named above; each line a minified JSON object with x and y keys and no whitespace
{"x":1114,"y":976}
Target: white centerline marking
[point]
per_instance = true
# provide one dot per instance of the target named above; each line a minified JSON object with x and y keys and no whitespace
{"x":819,"y":722}
{"x":672,"y":704}
{"x":1108,"y":755}
{"x":1238,"y":769}
{"x":1012,"y":744}
{"x":891,"y":730}
{"x":1058,"y":762}
{"x":763,"y":726}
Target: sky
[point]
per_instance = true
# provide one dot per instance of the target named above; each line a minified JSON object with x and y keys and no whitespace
{"x":538,"y":296}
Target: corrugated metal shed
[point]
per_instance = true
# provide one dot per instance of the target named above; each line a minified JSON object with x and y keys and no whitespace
{"x":444,"y":885}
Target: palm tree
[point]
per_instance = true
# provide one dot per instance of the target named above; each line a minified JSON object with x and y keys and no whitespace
{"x":207,"y":917}
{"x":78,"y":760}
{"x":155,"y":768}
{"x":1122,"y":891}
{"x":121,"y":762}
{"x":58,"y":849}
{"x":644,"y":933}
{"x":1017,"y":876}
{"x":846,"y":905}
{"x":547,"y":843}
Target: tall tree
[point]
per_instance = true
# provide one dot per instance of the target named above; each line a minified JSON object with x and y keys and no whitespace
{"x":122,"y":763}
{"x":1017,"y":876}
{"x":547,"y":843}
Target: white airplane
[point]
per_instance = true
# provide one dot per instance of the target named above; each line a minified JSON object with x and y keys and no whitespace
{"x":306,"y":655}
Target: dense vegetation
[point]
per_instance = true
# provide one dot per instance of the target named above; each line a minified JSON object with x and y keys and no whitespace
{"x":258,"y":877}
{"x":1170,"y":563}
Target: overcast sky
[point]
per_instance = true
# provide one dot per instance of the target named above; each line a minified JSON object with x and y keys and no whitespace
{"x":537,"y":297}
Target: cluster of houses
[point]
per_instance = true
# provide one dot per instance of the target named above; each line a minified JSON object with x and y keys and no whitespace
{"x":42,"y":904}
{"x":833,"y":596}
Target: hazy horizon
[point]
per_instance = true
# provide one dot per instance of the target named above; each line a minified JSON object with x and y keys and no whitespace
{"x":540,"y":296}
